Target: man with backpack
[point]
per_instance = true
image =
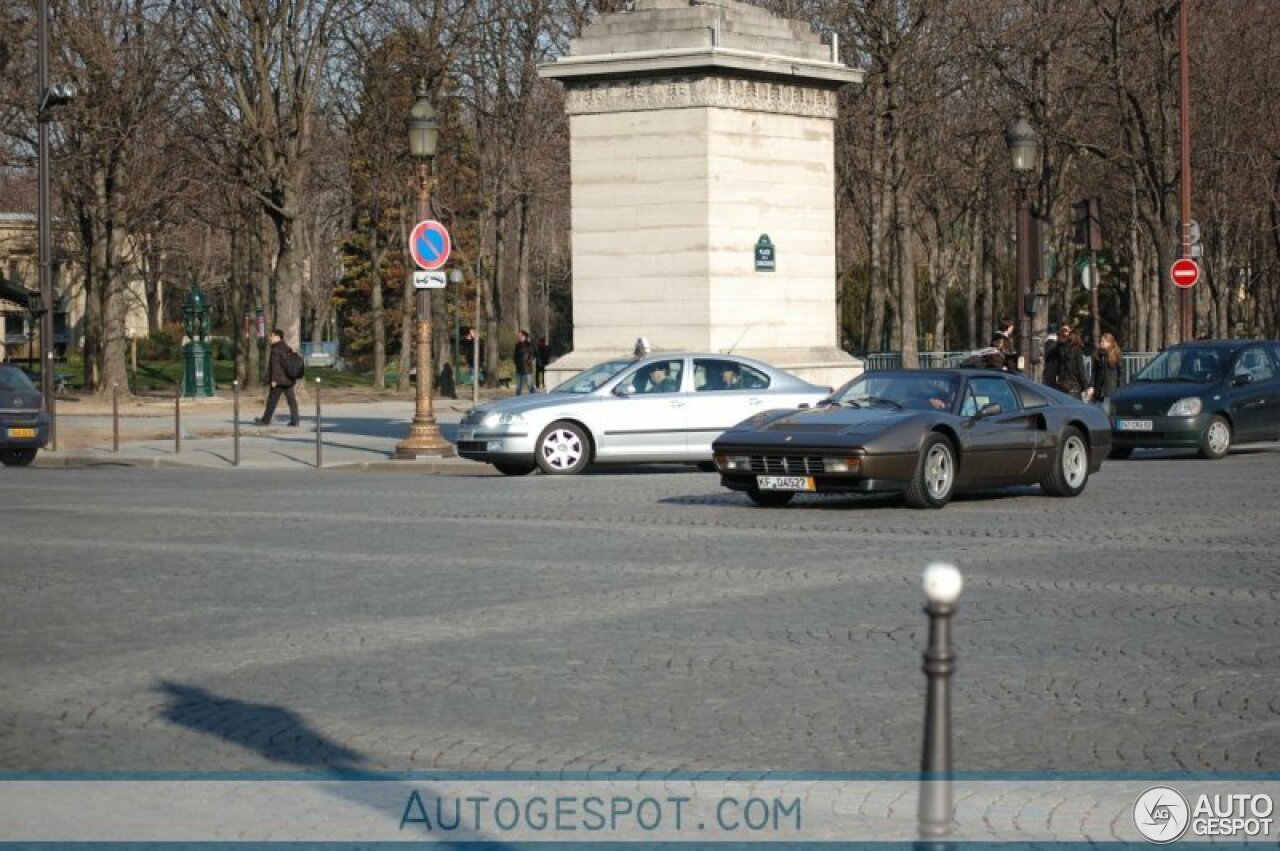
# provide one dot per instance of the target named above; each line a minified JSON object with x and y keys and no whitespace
{"x":283,"y":369}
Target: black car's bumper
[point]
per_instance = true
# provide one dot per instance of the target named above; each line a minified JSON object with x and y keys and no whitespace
{"x":1162,"y":433}
{"x":17,"y":432}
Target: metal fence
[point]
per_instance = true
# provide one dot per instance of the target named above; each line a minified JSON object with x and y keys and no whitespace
{"x":1132,"y":362}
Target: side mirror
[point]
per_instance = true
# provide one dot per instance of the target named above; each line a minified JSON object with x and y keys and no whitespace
{"x":989,"y":409}
{"x":623,"y":391}
{"x":1242,"y":379}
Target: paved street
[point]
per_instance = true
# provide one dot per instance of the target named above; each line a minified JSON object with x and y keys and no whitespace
{"x":218,"y":619}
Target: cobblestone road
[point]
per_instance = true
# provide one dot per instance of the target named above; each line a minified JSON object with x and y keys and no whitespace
{"x":198,"y":620}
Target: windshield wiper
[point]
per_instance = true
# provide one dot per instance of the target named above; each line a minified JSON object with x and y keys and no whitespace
{"x":877,"y":400}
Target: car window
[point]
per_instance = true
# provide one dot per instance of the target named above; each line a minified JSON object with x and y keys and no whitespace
{"x":1031,"y":398}
{"x":987,"y":391}
{"x":661,"y":376}
{"x":712,"y":375}
{"x":1196,"y":364}
{"x":14,"y":379}
{"x":588,"y":380}
{"x":1255,"y":362}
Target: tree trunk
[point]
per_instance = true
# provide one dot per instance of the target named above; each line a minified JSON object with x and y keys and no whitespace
{"x":376,"y":252}
{"x":523,"y":318}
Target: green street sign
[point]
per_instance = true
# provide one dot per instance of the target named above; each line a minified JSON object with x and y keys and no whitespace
{"x":766,"y":258}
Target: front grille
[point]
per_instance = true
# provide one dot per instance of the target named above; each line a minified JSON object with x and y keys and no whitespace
{"x":473,"y":445}
{"x":786,"y":465}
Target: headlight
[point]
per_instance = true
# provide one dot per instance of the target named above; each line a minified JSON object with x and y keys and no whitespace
{"x":1187,"y":407}
{"x":498,"y":419}
{"x":728,"y":463}
{"x":842,"y":465}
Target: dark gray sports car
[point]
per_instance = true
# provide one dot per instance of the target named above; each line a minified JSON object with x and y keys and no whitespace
{"x":926,"y":433}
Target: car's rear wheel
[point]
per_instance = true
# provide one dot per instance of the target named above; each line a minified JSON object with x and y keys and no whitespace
{"x":1216,"y":440}
{"x":563,"y":449}
{"x":514,"y":469}
{"x":1070,"y":471}
{"x":770,"y":499}
{"x":934,"y":481}
{"x":1119,"y":453}
{"x":17,"y":457}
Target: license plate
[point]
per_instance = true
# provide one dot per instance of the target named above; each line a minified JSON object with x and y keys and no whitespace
{"x":22,"y":432}
{"x":784,"y":483}
{"x":1133,"y":425}
{"x":466,"y":434}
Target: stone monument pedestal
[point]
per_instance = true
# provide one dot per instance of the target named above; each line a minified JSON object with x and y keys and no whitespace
{"x":702,"y":143}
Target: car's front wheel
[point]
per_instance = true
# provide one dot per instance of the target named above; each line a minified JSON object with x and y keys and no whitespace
{"x":934,"y":481}
{"x":563,"y":449}
{"x":1070,"y":471}
{"x":17,"y":457}
{"x":770,"y":499}
{"x":1216,"y":440}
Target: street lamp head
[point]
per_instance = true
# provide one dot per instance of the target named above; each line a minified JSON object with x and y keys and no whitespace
{"x":1021,"y":140}
{"x":942,"y":583}
{"x":424,"y":128}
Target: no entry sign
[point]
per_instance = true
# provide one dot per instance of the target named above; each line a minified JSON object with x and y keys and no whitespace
{"x":429,"y":244}
{"x":1185,"y":272}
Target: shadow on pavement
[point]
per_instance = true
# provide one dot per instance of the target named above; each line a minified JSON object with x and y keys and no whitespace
{"x":279,"y":734}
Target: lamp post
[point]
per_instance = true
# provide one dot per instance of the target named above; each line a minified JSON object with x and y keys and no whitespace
{"x":942,"y":585}
{"x":424,"y":437}
{"x":1021,"y":140}
{"x":50,"y":96}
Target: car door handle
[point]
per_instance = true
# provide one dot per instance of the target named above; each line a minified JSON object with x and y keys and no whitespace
{"x":677,"y":404}
{"x":754,"y":401}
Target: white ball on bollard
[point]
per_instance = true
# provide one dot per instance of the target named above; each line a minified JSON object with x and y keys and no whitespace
{"x":942,"y":583}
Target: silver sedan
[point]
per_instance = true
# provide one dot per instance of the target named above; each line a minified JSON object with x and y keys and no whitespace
{"x":665,"y":407}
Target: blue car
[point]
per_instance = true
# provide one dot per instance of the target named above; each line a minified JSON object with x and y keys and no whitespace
{"x":1208,"y":395}
{"x":24,"y":425}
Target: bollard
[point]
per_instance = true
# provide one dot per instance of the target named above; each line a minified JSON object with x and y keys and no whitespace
{"x":319,"y":435}
{"x":235,"y":423}
{"x":177,"y":418}
{"x":115,"y":418}
{"x":942,"y":584}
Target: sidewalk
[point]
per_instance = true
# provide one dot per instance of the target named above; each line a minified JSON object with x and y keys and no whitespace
{"x":356,"y":435}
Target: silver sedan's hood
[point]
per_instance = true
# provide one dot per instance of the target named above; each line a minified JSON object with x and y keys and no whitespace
{"x":525,"y":404}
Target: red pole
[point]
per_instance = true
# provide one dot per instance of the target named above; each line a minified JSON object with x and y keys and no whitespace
{"x":1184,"y":68}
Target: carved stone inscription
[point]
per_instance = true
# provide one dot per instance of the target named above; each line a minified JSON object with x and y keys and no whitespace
{"x":686,"y":92}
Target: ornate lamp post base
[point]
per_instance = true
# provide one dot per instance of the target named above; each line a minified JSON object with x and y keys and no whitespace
{"x":424,"y":438}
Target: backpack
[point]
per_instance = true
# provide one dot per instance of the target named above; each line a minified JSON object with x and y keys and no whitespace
{"x":294,"y":366}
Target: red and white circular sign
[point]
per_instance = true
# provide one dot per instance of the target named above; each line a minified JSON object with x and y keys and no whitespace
{"x":1185,"y":272}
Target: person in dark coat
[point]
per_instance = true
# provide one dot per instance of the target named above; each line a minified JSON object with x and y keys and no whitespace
{"x":526,"y":358}
{"x":1070,"y":377}
{"x":280,"y":381}
{"x":1106,"y":368}
{"x":1053,"y":354}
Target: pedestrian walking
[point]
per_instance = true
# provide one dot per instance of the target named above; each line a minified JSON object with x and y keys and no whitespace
{"x":544,"y":358}
{"x":1052,"y":354}
{"x":526,"y":358}
{"x":1070,"y":378}
{"x":281,"y":382}
{"x":1107,"y":362}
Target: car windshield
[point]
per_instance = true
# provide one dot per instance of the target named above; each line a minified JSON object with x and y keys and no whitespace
{"x":901,"y":390}
{"x":590,"y":379}
{"x":14,"y":379}
{"x":1195,"y":365}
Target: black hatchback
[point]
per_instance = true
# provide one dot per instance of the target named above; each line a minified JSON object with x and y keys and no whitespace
{"x":1207,"y":395}
{"x":24,"y":425}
